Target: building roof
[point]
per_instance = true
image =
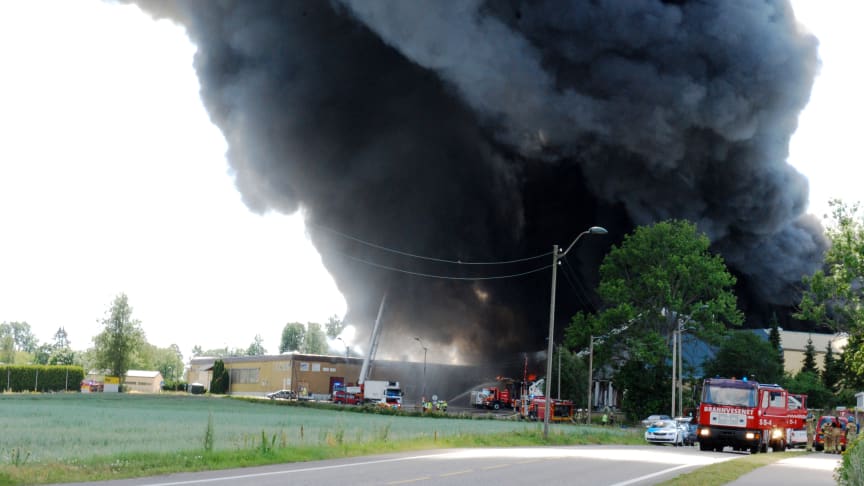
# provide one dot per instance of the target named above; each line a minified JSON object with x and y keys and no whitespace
{"x":142,"y":374}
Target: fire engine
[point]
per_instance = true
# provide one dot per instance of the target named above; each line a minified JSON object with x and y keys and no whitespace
{"x":747,"y":415}
{"x":492,"y":397}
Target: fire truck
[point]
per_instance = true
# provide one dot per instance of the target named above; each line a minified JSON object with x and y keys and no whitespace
{"x":493,"y":397}
{"x":747,"y":415}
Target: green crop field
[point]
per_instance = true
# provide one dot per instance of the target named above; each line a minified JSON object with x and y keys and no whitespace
{"x":60,"y":427}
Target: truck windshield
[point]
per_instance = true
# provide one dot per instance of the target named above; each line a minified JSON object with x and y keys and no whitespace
{"x":724,"y":395}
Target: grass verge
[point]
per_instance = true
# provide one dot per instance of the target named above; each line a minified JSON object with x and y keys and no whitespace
{"x":268,"y":451}
{"x":728,"y":471}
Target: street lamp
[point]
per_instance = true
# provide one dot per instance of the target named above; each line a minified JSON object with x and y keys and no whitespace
{"x":594,"y":230}
{"x":425,"y":349}
{"x":590,"y":374}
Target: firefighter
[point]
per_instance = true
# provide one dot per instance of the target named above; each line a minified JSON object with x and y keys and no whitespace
{"x":811,"y":431}
{"x":837,"y":431}
{"x":851,"y":433}
{"x":828,"y":436}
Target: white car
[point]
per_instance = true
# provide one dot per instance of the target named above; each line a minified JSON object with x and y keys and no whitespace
{"x":653,"y":418}
{"x":667,"y":432}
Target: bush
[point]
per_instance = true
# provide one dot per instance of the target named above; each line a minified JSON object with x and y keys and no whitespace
{"x":43,"y":378}
{"x":851,"y":470}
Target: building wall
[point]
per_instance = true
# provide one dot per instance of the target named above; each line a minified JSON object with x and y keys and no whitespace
{"x":143,"y":384}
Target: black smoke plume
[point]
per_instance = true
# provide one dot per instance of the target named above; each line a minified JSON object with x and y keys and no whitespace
{"x":488,"y":130}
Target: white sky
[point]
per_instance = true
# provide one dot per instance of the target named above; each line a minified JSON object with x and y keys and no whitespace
{"x":112,"y":179}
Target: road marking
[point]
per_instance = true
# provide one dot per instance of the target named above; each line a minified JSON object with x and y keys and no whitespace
{"x":290,"y":471}
{"x":406,"y":481}
{"x":649,"y":476}
{"x":496,"y":466}
{"x":456,"y":473}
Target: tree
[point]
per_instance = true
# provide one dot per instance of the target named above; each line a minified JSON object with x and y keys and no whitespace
{"x":7,"y":349}
{"x":61,"y":339}
{"x":293,"y":335}
{"x":257,"y":347}
{"x":743,"y":353}
{"x":334,"y":326}
{"x":315,"y":341}
{"x":661,"y":278}
{"x":834,"y":295}
{"x":774,"y":338}
{"x":809,"y":383}
{"x":219,"y":383}
{"x":22,"y":336}
{"x":832,"y":372}
{"x":196,"y":351}
{"x":122,"y":336}
{"x":809,"y":363}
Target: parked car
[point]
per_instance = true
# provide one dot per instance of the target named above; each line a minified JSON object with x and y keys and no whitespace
{"x":283,"y":394}
{"x":654,"y":418}
{"x":667,"y":432}
{"x":819,"y":440}
{"x":691,"y":437}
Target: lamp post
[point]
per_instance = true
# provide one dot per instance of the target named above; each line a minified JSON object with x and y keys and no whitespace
{"x":594,"y":230}
{"x":590,"y":375}
{"x":425,"y":349}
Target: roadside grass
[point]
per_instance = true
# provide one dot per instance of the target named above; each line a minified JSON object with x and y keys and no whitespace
{"x":72,"y":437}
{"x":728,"y":471}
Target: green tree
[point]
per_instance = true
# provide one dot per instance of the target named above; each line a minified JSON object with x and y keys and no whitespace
{"x":743,"y":353}
{"x":832,"y":372}
{"x":120,"y":339}
{"x":61,"y":339}
{"x":334,"y":326}
{"x":7,"y":349}
{"x":315,"y":341}
{"x":197,"y":351}
{"x":43,"y":353}
{"x":809,"y":363}
{"x":661,"y":278}
{"x":809,"y":383}
{"x":22,"y":336}
{"x":219,"y":383}
{"x":776,"y":343}
{"x":257,"y":347}
{"x":293,"y":335}
{"x":833,"y":295}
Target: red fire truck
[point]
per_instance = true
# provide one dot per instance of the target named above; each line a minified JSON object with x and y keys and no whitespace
{"x":747,"y":415}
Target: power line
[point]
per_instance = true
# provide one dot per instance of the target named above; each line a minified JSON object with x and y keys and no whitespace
{"x":586,"y":303}
{"x":443,"y":277}
{"x":421,"y":257}
{"x":592,"y":298}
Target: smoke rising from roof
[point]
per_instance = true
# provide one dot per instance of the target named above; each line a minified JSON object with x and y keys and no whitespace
{"x":489,"y":130}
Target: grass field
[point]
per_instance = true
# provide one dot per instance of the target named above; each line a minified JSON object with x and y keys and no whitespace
{"x":53,"y":438}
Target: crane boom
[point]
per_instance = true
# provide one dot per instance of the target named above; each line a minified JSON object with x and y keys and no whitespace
{"x":373,"y":344}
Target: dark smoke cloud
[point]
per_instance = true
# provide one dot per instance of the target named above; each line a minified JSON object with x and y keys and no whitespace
{"x":489,"y":130}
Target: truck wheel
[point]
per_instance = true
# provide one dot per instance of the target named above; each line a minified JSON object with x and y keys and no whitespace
{"x":496,"y":406}
{"x":705,"y":446}
{"x":754,"y":450}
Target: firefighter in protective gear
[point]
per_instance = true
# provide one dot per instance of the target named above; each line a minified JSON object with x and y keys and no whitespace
{"x":837,"y":431}
{"x":811,"y":431}
{"x":828,"y":436}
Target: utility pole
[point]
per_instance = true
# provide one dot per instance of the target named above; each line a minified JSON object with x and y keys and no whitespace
{"x":674,"y":366}
{"x":590,"y":376}
{"x":559,"y":372}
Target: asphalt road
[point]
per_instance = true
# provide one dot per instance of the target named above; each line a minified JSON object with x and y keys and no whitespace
{"x":590,"y":465}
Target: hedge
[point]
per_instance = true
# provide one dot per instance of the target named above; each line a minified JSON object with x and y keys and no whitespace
{"x":42,"y":378}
